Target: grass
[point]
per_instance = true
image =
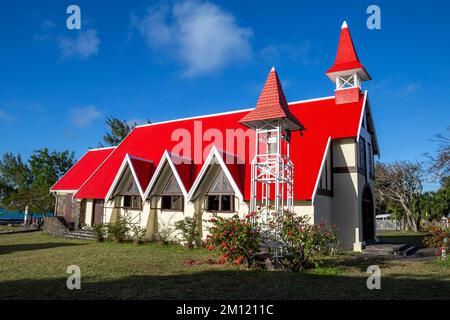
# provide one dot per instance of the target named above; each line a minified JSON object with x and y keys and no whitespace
{"x":9,"y":227}
{"x":33,"y":266}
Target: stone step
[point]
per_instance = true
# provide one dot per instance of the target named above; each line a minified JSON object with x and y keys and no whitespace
{"x":385,"y":249}
{"x":409,"y":251}
{"x":80,"y":234}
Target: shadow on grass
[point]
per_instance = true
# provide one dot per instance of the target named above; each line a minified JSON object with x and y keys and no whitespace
{"x":357,"y":262}
{"x":10,"y":248}
{"x":230,"y":285}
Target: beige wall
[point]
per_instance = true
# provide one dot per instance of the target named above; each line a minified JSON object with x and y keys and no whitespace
{"x":344,"y":152}
{"x":323,"y":209}
{"x":345,"y":213}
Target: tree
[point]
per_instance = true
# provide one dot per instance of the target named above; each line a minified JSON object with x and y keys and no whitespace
{"x":48,"y":167}
{"x":440,"y":163}
{"x":28,"y":184}
{"x":119,"y":130}
{"x":434,"y":205}
{"x":401,"y":182}
{"x":14,"y":174}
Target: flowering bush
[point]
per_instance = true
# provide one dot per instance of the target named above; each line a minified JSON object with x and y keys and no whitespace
{"x":138,"y":234}
{"x":436,"y":239}
{"x":235,"y":240}
{"x":302,"y":241}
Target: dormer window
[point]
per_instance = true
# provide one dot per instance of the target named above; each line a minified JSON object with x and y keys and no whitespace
{"x":220,"y":197}
{"x":172,"y":196}
{"x":126,"y":195}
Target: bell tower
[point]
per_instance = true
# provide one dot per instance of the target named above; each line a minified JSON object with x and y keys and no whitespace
{"x":347,"y":72}
{"x":272,"y":184}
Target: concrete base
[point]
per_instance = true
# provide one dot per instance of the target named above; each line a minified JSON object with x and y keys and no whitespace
{"x":359,"y":246}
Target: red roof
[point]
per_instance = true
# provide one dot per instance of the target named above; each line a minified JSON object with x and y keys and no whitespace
{"x":346,"y":57}
{"x":271,"y":104}
{"x":185,"y":168}
{"x":143,"y":169}
{"x":322,"y":119}
{"x":82,"y":170}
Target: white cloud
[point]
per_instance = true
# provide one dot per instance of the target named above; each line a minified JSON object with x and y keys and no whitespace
{"x":47,"y":24}
{"x":410,"y":88}
{"x":6,"y":117}
{"x":36,"y":107}
{"x":201,"y":36}
{"x":390,"y":87}
{"x":83,"y":116}
{"x":299,"y":52}
{"x":85,"y":45}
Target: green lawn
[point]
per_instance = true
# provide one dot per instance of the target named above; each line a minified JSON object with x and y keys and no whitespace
{"x":33,"y":266}
{"x":9,"y":228}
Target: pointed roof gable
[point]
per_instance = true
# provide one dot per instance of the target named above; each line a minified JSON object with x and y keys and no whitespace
{"x":271,"y":104}
{"x":141,"y":170}
{"x":346,"y":56}
{"x":182,"y":170}
{"x":231,"y":171}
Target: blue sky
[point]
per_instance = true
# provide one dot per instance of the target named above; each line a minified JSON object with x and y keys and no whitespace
{"x":155,"y":59}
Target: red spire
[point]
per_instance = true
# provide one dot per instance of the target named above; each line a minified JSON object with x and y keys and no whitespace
{"x":271,"y":104}
{"x":346,"y":57}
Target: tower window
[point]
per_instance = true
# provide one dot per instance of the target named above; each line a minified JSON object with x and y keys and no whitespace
{"x":371,"y":164}
{"x":362,"y":154}
{"x":348,"y":81}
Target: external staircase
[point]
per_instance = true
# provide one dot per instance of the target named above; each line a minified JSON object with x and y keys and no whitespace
{"x":388,"y":249}
{"x":79,"y":234}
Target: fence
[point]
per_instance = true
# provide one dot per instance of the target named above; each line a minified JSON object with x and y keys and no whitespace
{"x":388,"y":225}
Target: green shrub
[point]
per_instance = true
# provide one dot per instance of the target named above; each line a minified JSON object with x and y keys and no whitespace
{"x":99,"y":231}
{"x":118,"y":231}
{"x":304,"y":242}
{"x":235,"y":240}
{"x":138,"y":234}
{"x":188,"y":229}
{"x":165,"y":231}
